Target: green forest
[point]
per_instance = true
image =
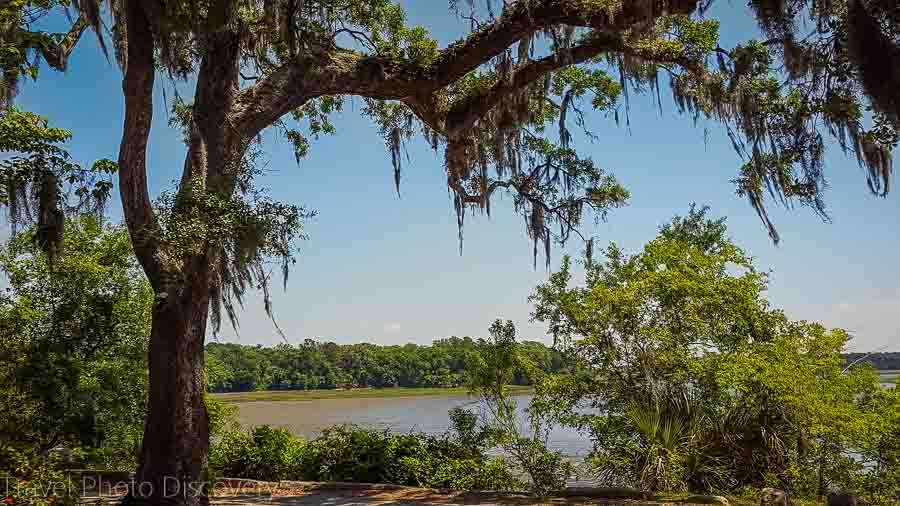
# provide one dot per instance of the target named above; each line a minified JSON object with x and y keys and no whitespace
{"x":323,"y":365}
{"x":233,"y":367}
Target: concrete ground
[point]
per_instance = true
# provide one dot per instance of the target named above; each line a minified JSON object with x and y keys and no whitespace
{"x":348,"y":498}
{"x":238,"y":492}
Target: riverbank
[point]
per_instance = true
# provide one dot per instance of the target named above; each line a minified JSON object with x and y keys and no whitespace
{"x":888,"y":377}
{"x":352,"y":393}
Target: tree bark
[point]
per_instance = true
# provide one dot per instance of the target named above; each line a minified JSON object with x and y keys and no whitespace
{"x":137,"y":87}
{"x":176,"y":435}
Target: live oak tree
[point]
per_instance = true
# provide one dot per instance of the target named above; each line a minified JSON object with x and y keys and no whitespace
{"x":498,"y":105}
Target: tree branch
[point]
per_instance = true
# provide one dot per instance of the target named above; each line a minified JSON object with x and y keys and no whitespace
{"x":57,"y":55}
{"x":138,"y":90}
{"x":345,"y":72}
{"x":523,"y":19}
{"x":465,"y":114}
{"x":217,"y":86}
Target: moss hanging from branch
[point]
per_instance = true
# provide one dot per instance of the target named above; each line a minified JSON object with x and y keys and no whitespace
{"x":41,"y":184}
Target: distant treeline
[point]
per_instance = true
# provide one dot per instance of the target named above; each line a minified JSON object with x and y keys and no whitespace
{"x":321,"y":365}
{"x":881,"y":361}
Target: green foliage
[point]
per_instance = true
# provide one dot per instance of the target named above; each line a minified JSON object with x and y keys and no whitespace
{"x":662,"y":437}
{"x":26,"y":132}
{"x":492,"y":368}
{"x":40,"y":184}
{"x":316,"y":115}
{"x":22,"y":47}
{"x":264,"y":453}
{"x":39,"y":480}
{"x":67,"y":332}
{"x":222,"y":416}
{"x":577,"y":81}
{"x":699,"y":384}
{"x":313,"y":365}
{"x":239,"y":234}
{"x":677,"y":37}
{"x":348,"y":453}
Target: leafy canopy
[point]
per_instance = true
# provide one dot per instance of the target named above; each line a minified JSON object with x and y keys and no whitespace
{"x":67,"y":333}
{"x":529,"y":63}
{"x":687,"y":378}
{"x":40,"y":183}
{"x":500,"y":103}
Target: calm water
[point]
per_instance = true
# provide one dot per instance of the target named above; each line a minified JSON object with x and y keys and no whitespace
{"x":401,"y":414}
{"x":889,"y":378}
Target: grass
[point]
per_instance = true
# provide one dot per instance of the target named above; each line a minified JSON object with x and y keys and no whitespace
{"x":354,"y":393}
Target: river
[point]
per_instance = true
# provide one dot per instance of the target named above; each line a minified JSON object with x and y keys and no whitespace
{"x":428,"y":414}
{"x":397,"y":414}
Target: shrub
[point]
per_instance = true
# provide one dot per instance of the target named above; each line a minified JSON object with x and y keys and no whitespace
{"x":261,"y":454}
{"x":120,"y":447}
{"x":460,"y":474}
{"x":348,"y":453}
{"x":457,"y":460}
{"x":40,"y":480}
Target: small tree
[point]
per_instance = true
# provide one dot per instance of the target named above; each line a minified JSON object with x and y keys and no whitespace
{"x":491,"y":370}
{"x":68,"y":331}
{"x":698,"y":383}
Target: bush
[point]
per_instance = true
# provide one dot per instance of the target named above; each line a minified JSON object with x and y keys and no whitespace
{"x":120,"y":447}
{"x":261,"y":454}
{"x":349,"y":453}
{"x":39,"y":480}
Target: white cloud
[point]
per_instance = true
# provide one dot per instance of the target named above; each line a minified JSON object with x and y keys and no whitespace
{"x":391,"y":328}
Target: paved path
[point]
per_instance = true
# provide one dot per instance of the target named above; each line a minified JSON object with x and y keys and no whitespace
{"x":334,"y":499}
{"x":236,"y":492}
{"x":396,"y":496}
{"x":358,"y":498}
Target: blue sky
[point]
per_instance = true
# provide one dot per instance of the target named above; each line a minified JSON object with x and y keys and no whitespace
{"x":387,"y":270}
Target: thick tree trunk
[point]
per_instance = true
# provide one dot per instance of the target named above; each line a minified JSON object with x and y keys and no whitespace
{"x":176,"y":435}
